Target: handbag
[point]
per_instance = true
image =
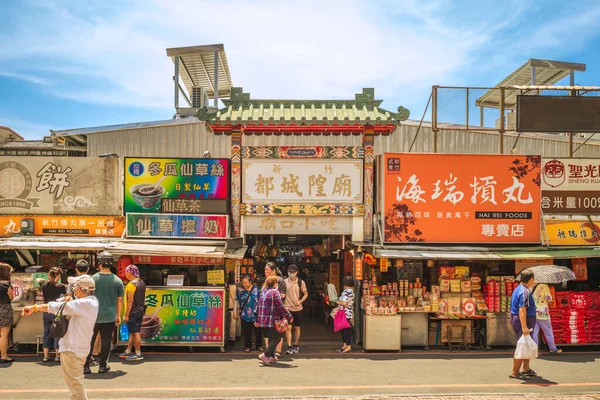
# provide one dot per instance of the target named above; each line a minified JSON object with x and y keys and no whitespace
{"x":340,"y":321}
{"x":60,"y":325}
{"x":281,"y":325}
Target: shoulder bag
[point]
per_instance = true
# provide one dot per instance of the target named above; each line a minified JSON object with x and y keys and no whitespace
{"x":60,"y":325}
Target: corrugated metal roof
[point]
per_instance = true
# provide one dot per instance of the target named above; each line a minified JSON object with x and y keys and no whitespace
{"x":547,"y":73}
{"x":364,"y":109}
{"x":197,"y":65}
{"x":30,"y":144}
{"x":132,"y":125}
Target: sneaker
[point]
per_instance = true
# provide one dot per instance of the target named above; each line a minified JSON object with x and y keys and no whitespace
{"x":260,"y":348}
{"x":273,"y":360}
{"x":290,"y":350}
{"x":555,"y":352}
{"x":124,"y":355}
{"x":296,"y":350}
{"x":86,"y":371}
{"x":57,"y":359}
{"x":265,"y":359}
{"x":278,"y":355}
{"x":135,"y":357}
{"x":103,"y":370}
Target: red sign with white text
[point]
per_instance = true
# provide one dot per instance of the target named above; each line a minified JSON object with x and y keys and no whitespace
{"x":177,"y":260}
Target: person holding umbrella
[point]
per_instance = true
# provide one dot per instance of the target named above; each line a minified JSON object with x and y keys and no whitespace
{"x":542,"y":296}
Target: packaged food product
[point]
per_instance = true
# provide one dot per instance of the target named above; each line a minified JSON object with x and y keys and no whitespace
{"x":443,"y":306}
{"x":461,"y":272}
{"x":455,"y":286}
{"x":465,"y":286}
{"x":444,"y":285}
{"x":469,"y":306}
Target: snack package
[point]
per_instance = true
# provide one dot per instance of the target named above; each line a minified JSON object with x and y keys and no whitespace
{"x":444,"y":285}
{"x":469,"y":306}
{"x":447,"y":272}
{"x":461,"y":272}
{"x":443,"y":306}
{"x":455,"y":286}
{"x":465,"y":286}
{"x":454,"y":305}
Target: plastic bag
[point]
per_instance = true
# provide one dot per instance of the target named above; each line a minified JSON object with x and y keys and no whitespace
{"x":340,"y":321}
{"x":527,"y":348}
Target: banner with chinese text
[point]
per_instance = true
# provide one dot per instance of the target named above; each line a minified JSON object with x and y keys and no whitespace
{"x":62,"y":225}
{"x":580,"y":269}
{"x":461,"y":198}
{"x":60,"y":186}
{"x":572,"y":232}
{"x":177,"y":226}
{"x":176,"y":185}
{"x":297,"y":225}
{"x":187,"y":316}
{"x":571,"y":186}
{"x":177,"y":260}
{"x":307,"y":181}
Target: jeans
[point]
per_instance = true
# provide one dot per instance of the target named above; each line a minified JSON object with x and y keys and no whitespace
{"x":347,"y":336}
{"x":247,"y":328}
{"x":106,"y":333}
{"x":48,"y":341}
{"x":274,"y":339}
{"x":545,"y":326}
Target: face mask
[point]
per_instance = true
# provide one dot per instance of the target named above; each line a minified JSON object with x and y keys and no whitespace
{"x":292,"y":274}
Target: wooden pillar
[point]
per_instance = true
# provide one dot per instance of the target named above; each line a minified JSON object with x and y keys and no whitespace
{"x":368,"y":145}
{"x":236,"y":179}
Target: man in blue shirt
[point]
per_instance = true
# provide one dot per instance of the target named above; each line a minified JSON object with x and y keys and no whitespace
{"x":523,"y":320}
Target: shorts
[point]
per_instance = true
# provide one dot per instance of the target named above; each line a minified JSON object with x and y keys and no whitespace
{"x":134,"y":325}
{"x":516,"y":324}
{"x":297,"y":315}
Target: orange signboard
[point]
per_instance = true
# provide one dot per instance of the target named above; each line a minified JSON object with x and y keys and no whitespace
{"x":61,"y":225}
{"x":572,"y":232}
{"x":358,"y":264}
{"x":461,"y":198}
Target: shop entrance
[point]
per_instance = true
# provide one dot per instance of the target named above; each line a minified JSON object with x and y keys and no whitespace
{"x":320,"y":260}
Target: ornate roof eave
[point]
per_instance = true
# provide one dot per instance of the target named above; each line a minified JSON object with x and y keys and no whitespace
{"x":362,"y":111}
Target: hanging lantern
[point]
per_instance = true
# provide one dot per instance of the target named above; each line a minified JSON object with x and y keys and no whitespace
{"x":430,"y":263}
{"x":370,"y":259}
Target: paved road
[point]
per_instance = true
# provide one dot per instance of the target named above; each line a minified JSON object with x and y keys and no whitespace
{"x":241,"y":376}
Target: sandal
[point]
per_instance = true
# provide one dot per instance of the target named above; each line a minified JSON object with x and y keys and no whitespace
{"x":519,"y":376}
{"x":247,"y":350}
{"x":46,"y":359}
{"x":530,"y":372}
{"x":342,"y":351}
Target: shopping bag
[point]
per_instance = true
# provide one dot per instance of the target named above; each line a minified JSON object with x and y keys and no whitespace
{"x":340,"y":321}
{"x":527,"y":348}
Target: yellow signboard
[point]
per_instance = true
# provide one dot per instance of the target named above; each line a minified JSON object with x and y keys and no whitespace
{"x":62,"y":225}
{"x":384,"y":264}
{"x":573,"y":233}
{"x":215,"y":277}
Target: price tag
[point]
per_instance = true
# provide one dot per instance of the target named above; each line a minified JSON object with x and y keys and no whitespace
{"x":175,"y":280}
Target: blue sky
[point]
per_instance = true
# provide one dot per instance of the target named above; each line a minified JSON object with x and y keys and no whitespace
{"x":69,"y":64}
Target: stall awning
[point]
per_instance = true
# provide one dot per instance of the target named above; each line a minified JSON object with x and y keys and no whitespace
{"x":156,"y":249}
{"x":487,"y":254}
{"x":53,"y":245}
{"x":430,"y":255}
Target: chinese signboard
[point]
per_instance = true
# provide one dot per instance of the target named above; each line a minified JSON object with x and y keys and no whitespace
{"x":571,"y":186}
{"x":215,"y":277}
{"x":306,"y":181}
{"x":60,"y":186}
{"x":308,"y":225}
{"x":188,"y":316}
{"x":151,"y":185}
{"x":177,"y":260}
{"x":448,"y":198}
{"x":573,"y":233}
{"x":58,"y":225}
{"x":334,"y":276}
{"x":177,"y":226}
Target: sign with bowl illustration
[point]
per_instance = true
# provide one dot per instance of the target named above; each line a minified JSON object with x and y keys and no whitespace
{"x":60,"y":186}
{"x":186,"y":316}
{"x":177,"y":226}
{"x":186,"y":185}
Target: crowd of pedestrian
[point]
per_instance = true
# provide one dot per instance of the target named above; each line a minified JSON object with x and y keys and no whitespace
{"x":77,"y":313}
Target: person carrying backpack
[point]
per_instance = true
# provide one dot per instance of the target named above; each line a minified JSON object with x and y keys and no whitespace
{"x":296,"y":294}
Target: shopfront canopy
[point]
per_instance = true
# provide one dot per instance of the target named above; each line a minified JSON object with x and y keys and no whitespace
{"x":485,"y":254}
{"x":58,"y":244}
{"x":211,"y":249}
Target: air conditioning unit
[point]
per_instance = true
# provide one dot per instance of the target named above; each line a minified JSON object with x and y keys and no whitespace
{"x":510,"y":122}
{"x":199,"y":97}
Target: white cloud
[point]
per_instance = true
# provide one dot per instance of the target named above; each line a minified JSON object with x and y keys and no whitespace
{"x":29,"y":130}
{"x":37,"y":80}
{"x":301,"y":49}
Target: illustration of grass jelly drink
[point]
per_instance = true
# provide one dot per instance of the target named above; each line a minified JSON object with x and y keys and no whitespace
{"x":150,"y":326}
{"x":147,"y":195}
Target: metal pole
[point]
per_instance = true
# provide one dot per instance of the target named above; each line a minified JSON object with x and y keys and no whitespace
{"x":434,"y":116}
{"x":571,"y":145}
{"x":216,"y":104}
{"x":467,"y":108}
{"x":532,"y":76}
{"x":572,"y":78}
{"x":502,"y":124}
{"x":176,"y":81}
{"x":481,"y":116}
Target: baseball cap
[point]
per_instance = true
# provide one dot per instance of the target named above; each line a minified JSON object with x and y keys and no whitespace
{"x":133,"y":270}
{"x":85,"y":282}
{"x":293,"y":268}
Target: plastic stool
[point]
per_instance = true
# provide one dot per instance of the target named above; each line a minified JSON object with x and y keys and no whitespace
{"x":37,"y":345}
